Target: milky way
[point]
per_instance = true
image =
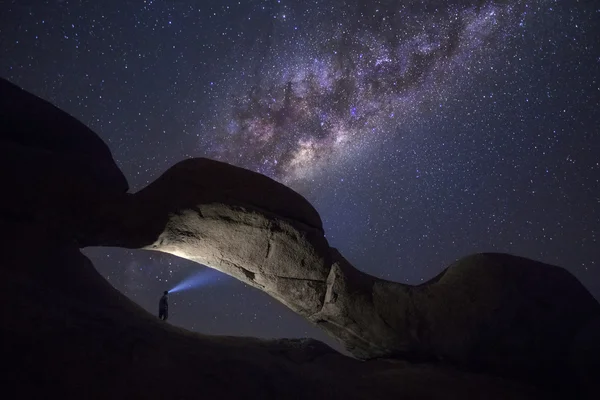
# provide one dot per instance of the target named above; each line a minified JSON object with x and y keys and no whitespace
{"x":329,"y":96}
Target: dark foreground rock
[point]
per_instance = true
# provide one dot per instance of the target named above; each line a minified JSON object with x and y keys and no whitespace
{"x":66,"y":333}
{"x":53,"y":169}
{"x":489,"y":326}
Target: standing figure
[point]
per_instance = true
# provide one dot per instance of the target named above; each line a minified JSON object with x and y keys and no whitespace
{"x":163,"y":306}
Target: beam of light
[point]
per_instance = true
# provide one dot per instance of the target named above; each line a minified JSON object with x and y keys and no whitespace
{"x":198,"y":279}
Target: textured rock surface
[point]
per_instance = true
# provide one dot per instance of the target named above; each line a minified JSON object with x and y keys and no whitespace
{"x":66,"y":333}
{"x":494,"y":312}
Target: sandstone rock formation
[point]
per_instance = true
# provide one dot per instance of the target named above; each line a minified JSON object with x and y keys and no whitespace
{"x":67,"y":334}
{"x":494,"y":313}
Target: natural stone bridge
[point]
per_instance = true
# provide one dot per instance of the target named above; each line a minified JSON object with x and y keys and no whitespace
{"x":494,"y":311}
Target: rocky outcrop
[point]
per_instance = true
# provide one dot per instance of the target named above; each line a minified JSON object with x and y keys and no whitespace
{"x":47,"y":134}
{"x":53,"y":168}
{"x":68,"y":334}
{"x":493,"y":313}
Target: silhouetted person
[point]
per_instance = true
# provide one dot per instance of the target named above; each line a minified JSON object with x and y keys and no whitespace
{"x":163,"y":306}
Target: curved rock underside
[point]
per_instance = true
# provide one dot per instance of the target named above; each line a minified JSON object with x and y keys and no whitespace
{"x":497,"y":313}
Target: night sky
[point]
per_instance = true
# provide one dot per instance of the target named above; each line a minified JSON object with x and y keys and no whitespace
{"x":421,"y":131}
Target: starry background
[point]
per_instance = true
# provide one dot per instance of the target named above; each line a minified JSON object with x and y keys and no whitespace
{"x":421,"y":131}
